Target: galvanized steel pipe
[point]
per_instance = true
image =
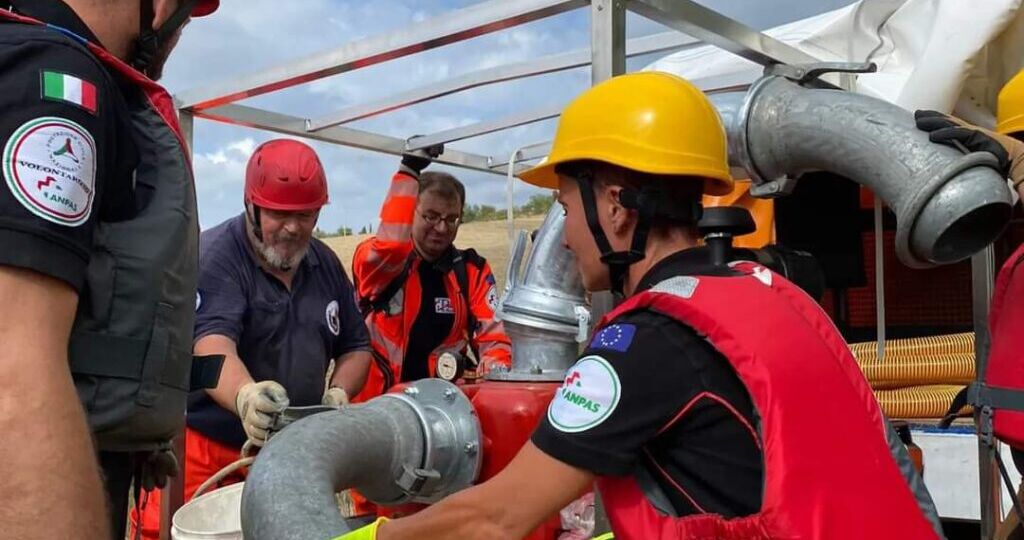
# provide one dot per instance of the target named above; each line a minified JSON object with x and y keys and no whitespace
{"x":543,"y":309}
{"x":419,"y":445}
{"x":948,"y":205}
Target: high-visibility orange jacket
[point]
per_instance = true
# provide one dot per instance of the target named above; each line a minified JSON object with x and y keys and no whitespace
{"x":380,"y":259}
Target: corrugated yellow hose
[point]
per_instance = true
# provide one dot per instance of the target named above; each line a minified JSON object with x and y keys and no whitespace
{"x":922,"y":346}
{"x":930,"y":401}
{"x":918,"y":377}
{"x":899,"y":370}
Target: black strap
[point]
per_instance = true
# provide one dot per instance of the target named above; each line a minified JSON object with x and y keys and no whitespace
{"x":103,"y":355}
{"x":648,"y":204}
{"x":149,"y":41}
{"x":384,"y":365}
{"x":141,"y":499}
{"x":617,"y":261}
{"x":458,"y":262}
{"x":206,"y":371}
{"x":959,"y":402}
{"x":462,"y":278}
{"x":982,"y":395}
{"x":380,"y":302}
{"x":257,"y":229}
{"x":1009,"y":487}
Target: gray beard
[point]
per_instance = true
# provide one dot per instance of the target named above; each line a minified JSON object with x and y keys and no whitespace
{"x":274,"y":259}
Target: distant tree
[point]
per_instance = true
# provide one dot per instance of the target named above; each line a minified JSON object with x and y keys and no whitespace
{"x":538,"y":204}
{"x":362,"y":231}
{"x":317,"y":233}
{"x":344,"y":231}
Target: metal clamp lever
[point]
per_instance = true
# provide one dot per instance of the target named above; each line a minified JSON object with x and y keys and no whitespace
{"x":810,"y":74}
{"x":414,"y":481}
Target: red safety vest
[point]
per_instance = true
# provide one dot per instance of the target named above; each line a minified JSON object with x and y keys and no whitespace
{"x":828,"y":469}
{"x":1005,"y":368}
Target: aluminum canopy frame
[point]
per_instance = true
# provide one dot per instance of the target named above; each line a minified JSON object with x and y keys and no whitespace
{"x":606,"y":57}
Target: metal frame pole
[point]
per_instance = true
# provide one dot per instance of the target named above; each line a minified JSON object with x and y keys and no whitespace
{"x":712,"y":27}
{"x":445,"y":29}
{"x":607,"y":59}
{"x":982,"y":276}
{"x":879,"y":279}
{"x":663,"y":42}
{"x":607,"y":39}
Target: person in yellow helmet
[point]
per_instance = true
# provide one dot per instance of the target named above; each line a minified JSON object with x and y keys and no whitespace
{"x":696,"y":406}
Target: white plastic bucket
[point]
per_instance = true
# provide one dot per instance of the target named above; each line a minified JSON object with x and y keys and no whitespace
{"x":216,"y":515}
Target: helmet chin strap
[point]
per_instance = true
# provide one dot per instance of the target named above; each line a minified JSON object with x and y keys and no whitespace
{"x":647,"y":204}
{"x":148,"y":44}
{"x":254,"y":220}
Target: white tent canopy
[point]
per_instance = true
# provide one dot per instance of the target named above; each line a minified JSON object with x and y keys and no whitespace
{"x":949,"y":55}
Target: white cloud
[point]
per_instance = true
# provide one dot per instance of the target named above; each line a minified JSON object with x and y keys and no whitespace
{"x":244,"y":146}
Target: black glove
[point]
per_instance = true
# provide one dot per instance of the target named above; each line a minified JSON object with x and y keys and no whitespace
{"x":156,"y":468}
{"x":418,"y":160}
{"x":951,"y":131}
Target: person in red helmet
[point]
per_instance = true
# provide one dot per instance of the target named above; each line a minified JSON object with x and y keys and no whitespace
{"x":277,"y":304}
{"x":99,"y":230}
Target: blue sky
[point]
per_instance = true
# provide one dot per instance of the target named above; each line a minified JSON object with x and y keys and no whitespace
{"x":246,"y":35}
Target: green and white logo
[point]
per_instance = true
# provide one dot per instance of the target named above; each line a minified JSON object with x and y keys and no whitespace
{"x":50,"y":167}
{"x":588,"y":396}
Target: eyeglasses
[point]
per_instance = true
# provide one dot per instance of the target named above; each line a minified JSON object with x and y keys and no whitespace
{"x":434,"y":219}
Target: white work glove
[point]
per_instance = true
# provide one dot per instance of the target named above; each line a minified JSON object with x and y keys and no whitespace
{"x":335,"y":397}
{"x":256,"y":403}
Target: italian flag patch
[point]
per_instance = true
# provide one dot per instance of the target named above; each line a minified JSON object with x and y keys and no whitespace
{"x":70,"y":89}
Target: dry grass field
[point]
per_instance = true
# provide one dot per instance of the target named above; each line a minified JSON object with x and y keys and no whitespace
{"x":489,"y":238}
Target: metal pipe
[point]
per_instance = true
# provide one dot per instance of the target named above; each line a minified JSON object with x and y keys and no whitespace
{"x":419,"y":445}
{"x":948,"y":205}
{"x":544,"y":311}
{"x":983,"y":271}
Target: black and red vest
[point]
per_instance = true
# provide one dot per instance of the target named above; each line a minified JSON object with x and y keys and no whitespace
{"x":828,"y":470}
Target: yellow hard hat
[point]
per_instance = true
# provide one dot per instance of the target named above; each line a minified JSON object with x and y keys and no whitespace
{"x":1010,"y":106}
{"x":650,"y":122}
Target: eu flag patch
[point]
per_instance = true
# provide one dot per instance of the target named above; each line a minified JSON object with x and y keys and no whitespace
{"x":617,"y":337}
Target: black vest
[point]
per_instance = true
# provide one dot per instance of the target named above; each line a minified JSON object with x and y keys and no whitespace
{"x":131,"y":344}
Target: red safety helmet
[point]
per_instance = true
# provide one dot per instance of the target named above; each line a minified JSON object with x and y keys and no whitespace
{"x":205,"y":7}
{"x":284,"y":174}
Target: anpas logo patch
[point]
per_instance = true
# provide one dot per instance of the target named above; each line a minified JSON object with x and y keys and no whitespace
{"x":492,"y":298}
{"x":49,"y":164}
{"x":333,"y":320}
{"x":443,"y":306}
{"x":588,"y":396}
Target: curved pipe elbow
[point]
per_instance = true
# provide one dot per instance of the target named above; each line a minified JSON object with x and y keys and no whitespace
{"x":948,"y":205}
{"x":419,"y":446}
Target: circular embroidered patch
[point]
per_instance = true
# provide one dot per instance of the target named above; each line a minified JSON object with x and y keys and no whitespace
{"x":333,"y":321}
{"x":492,"y":298}
{"x":49,"y":164}
{"x":588,"y":396}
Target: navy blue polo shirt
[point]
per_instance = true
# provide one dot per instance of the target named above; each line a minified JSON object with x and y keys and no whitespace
{"x":282,"y":335}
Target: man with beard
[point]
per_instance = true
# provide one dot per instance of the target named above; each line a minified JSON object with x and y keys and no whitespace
{"x":276,"y":303}
{"x":93,"y":166}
